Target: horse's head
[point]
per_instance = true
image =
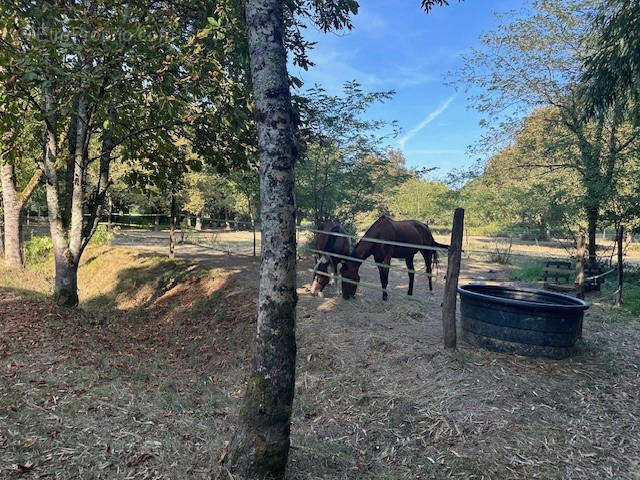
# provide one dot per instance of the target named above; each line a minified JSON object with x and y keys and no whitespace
{"x":319,"y":280}
{"x":350,"y":277}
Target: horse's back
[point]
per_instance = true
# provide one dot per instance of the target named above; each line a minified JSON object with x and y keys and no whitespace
{"x":333,"y":243}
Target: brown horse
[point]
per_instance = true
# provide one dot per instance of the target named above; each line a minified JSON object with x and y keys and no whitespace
{"x":404,"y":231}
{"x":332,"y":244}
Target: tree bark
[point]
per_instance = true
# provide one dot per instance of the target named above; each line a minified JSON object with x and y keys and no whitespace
{"x":12,"y":217}
{"x":72,"y":136}
{"x":1,"y":238}
{"x":261,"y":446}
{"x":65,"y":285}
{"x":450,"y":298}
{"x":14,"y":202}
{"x":79,"y":179}
{"x":99,"y":194}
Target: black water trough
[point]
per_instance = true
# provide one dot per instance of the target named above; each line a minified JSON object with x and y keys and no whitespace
{"x":524,"y":321}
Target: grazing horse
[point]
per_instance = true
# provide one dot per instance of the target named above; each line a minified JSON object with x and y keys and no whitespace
{"x":404,"y":231}
{"x":333,"y":244}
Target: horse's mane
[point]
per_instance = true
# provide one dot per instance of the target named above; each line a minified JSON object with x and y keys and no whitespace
{"x":334,"y":227}
{"x":371,"y":231}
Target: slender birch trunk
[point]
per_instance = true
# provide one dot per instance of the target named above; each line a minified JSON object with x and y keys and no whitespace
{"x":261,"y":446}
{"x":12,"y":218}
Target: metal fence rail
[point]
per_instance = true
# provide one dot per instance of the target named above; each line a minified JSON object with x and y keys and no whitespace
{"x":347,"y":280}
{"x":377,"y":240}
{"x":377,"y":264}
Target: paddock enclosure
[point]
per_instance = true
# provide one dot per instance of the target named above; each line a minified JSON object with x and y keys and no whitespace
{"x":377,"y":396}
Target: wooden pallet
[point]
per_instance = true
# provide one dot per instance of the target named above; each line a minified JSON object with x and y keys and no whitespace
{"x":557,"y":276}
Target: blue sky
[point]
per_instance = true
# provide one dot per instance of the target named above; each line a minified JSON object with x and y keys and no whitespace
{"x":396,"y":46}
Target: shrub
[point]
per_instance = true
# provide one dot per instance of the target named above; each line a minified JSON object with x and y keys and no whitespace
{"x":501,"y":255}
{"x":37,"y":249}
{"x":102,"y":236}
{"x":485,"y":229}
{"x":187,"y":233}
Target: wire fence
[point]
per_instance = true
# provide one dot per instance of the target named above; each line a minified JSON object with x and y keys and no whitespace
{"x":204,"y":239}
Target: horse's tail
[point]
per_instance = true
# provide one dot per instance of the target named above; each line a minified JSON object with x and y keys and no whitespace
{"x":440,"y":245}
{"x":435,"y":252}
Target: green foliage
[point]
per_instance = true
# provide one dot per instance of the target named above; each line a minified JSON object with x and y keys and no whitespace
{"x":631,"y":298}
{"x":611,"y":70}
{"x":102,"y":236}
{"x":630,"y":291}
{"x":37,"y":250}
{"x":529,"y":271}
{"x":343,"y":171}
{"x":429,"y":202}
{"x":519,"y":189}
{"x":533,"y":59}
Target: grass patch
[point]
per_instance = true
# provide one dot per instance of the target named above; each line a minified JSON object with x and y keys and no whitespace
{"x":37,"y":250}
{"x":108,"y":278}
{"x":125,"y":279}
{"x":630,"y":290}
{"x":528,"y":271}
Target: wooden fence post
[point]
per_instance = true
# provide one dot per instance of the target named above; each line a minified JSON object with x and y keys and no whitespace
{"x":620,"y":234}
{"x":451,"y":285}
{"x":580,"y":255}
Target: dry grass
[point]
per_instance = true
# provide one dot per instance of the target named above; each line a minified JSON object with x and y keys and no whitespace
{"x":150,"y":390}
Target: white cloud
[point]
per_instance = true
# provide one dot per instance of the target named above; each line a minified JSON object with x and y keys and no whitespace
{"x":427,"y":120}
{"x":334,"y":67}
{"x":370,"y":22}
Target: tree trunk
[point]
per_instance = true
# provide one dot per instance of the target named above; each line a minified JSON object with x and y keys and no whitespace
{"x":261,"y":446}
{"x":66,"y":280}
{"x":12,"y":218}
{"x":2,"y":240}
{"x":65,"y":285}
{"x":198,"y":223}
{"x":592,"y":226}
{"x":79,"y":181}
{"x":72,"y":137}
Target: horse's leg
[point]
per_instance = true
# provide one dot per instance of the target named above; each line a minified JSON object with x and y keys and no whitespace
{"x":409,"y":261}
{"x":428,"y":260}
{"x":384,"y":273}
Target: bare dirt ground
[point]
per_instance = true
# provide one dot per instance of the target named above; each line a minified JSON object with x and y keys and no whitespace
{"x":151,"y":391}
